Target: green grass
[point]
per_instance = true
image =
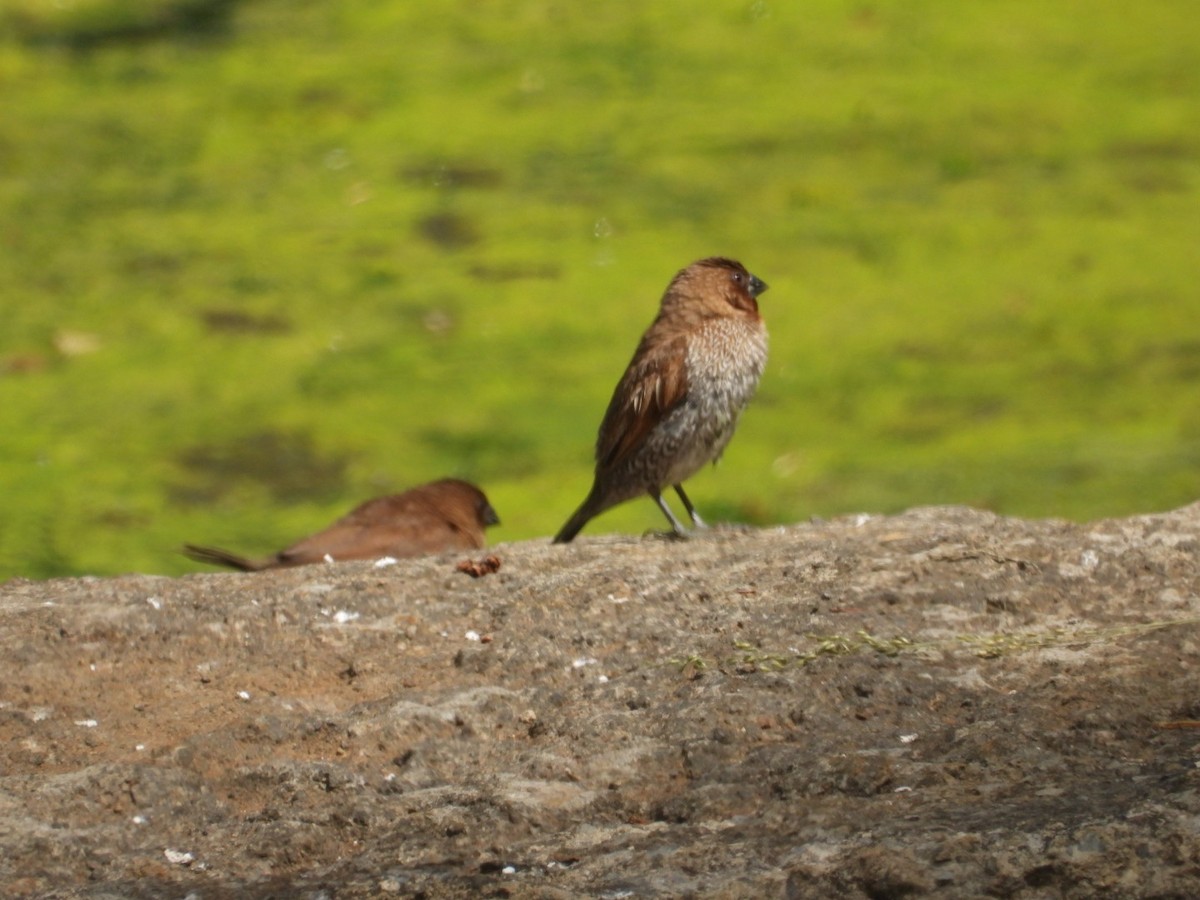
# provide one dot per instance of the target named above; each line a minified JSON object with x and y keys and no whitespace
{"x":261,"y":261}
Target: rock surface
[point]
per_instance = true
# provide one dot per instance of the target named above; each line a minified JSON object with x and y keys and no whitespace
{"x":942,"y":702}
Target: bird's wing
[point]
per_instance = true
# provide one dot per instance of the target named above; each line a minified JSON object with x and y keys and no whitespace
{"x":400,"y":525}
{"x":653,"y":385}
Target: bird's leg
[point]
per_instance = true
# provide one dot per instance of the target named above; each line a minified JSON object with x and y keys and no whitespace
{"x":687,"y":504}
{"x":675,"y":525}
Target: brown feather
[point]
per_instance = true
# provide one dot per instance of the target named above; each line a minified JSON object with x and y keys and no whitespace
{"x":653,"y":385}
{"x":443,"y":515}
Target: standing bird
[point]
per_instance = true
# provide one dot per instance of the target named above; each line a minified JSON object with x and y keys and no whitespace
{"x":442,"y":515}
{"x":678,"y":403}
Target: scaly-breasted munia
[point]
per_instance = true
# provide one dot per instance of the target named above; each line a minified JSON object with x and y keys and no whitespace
{"x":443,"y":515}
{"x":678,"y":403}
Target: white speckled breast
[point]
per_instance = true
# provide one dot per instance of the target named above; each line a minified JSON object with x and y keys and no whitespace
{"x":725,"y":361}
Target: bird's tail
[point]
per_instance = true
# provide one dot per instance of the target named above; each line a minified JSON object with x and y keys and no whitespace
{"x":588,"y":510}
{"x":574,"y":525}
{"x":218,"y":557}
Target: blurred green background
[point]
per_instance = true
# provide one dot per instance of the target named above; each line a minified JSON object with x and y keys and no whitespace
{"x":262,"y":260}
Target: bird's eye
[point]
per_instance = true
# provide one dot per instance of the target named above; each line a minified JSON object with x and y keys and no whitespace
{"x":737,"y":277}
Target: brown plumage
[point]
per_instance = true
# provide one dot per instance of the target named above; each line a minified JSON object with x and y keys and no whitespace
{"x":442,"y":515}
{"x":678,"y":403}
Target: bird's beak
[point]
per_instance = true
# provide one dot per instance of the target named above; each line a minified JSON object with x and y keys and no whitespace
{"x":490,"y":517}
{"x":757,"y":286}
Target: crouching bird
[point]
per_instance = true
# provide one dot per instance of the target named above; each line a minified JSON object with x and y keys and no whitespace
{"x":443,"y":515}
{"x":678,"y":403}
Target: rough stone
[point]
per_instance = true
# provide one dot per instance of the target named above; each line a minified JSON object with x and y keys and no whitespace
{"x":944,"y":702}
